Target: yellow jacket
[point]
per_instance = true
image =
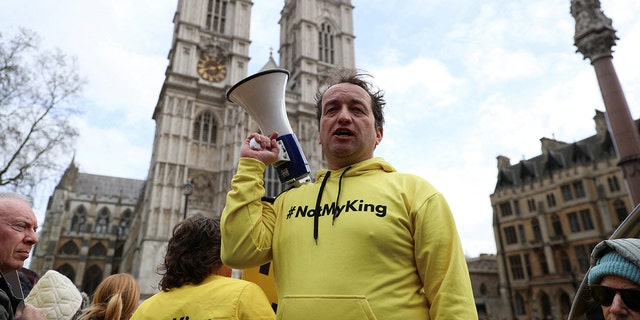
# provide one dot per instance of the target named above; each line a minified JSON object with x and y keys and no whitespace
{"x":217,"y":297}
{"x":363,"y":242}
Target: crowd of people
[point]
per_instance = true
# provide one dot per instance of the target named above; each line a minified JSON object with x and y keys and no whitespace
{"x":362,"y":241}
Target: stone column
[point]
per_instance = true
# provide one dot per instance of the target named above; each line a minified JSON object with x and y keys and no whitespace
{"x":594,"y":38}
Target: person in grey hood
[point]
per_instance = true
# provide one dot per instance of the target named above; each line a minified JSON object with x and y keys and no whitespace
{"x":614,"y":278}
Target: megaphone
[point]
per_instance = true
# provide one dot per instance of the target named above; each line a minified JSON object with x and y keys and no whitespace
{"x":262,"y":95}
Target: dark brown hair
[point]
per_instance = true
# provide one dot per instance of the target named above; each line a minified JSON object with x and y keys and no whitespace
{"x":356,"y":77}
{"x":193,"y":253}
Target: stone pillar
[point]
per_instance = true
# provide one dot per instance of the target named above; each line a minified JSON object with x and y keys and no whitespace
{"x":594,"y":38}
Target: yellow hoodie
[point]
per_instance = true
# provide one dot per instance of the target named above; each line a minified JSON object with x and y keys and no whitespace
{"x":383,"y":246}
{"x":217,"y":297}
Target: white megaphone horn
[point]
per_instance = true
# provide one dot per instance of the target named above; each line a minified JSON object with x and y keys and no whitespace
{"x":262,"y":95}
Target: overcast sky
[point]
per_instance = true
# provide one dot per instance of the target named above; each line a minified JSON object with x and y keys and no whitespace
{"x":465,"y":82}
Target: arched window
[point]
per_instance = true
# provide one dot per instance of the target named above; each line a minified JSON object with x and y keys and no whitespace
{"x":79,"y":219}
{"x":102,"y":221}
{"x":125,"y":222}
{"x":69,"y":248}
{"x":98,"y":250}
{"x":68,"y":271}
{"x":205,"y":128}
{"x":92,"y":278}
{"x":326,"y":46}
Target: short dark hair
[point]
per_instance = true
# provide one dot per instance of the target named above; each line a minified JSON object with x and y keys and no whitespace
{"x":193,"y":253}
{"x":356,"y":77}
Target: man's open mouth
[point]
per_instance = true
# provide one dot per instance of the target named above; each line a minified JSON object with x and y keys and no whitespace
{"x":343,"y":132}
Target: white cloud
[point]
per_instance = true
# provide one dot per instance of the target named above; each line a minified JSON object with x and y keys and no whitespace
{"x":418,"y":84}
{"x":111,"y":151}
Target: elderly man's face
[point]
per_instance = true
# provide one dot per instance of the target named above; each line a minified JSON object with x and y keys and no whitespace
{"x":18,"y":226}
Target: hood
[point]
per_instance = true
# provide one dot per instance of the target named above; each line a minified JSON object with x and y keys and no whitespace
{"x":629,"y":248}
{"x":356,"y":169}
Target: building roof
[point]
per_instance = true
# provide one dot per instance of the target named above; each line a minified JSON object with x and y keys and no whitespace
{"x":556,"y":155}
{"x":485,"y":263}
{"x":105,"y":186}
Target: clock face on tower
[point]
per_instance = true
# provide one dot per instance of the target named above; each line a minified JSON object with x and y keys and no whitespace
{"x":211,"y":69}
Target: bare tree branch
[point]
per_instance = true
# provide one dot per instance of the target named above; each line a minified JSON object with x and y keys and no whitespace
{"x":37,"y":93}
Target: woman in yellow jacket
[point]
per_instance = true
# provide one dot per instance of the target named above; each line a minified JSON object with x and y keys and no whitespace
{"x":192,"y":284}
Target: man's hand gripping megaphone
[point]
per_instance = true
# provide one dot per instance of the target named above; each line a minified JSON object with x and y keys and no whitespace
{"x":261,"y":147}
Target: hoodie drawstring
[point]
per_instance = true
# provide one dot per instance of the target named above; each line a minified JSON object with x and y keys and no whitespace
{"x":336,"y":213}
{"x":316,"y":215}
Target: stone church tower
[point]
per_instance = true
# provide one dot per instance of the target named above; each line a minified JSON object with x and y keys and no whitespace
{"x":198,"y":133}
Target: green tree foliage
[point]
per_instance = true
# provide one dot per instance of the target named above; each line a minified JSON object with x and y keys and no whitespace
{"x":37,"y":93}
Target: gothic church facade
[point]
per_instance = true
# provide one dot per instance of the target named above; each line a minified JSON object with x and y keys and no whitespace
{"x":198,"y":135}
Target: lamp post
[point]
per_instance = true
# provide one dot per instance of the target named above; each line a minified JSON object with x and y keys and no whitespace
{"x":187,"y":189}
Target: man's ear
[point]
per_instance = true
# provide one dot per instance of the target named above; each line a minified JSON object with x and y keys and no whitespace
{"x":379,"y":133}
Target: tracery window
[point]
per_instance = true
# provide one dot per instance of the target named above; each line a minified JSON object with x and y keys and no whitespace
{"x":98,"y":250}
{"x":125,"y":222}
{"x":79,"y":219}
{"x":205,"y":128}
{"x":216,"y":15}
{"x":69,"y":248}
{"x":326,"y":44}
{"x":102,"y":221}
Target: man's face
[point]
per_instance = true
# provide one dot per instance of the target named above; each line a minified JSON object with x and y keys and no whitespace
{"x":348,"y":133}
{"x":618,"y":309}
{"x":18,"y":226}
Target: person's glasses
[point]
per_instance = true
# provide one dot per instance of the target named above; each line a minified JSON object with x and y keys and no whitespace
{"x":604,"y":296}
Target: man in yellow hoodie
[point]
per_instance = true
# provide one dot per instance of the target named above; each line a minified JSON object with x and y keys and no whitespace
{"x":363,"y":241}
